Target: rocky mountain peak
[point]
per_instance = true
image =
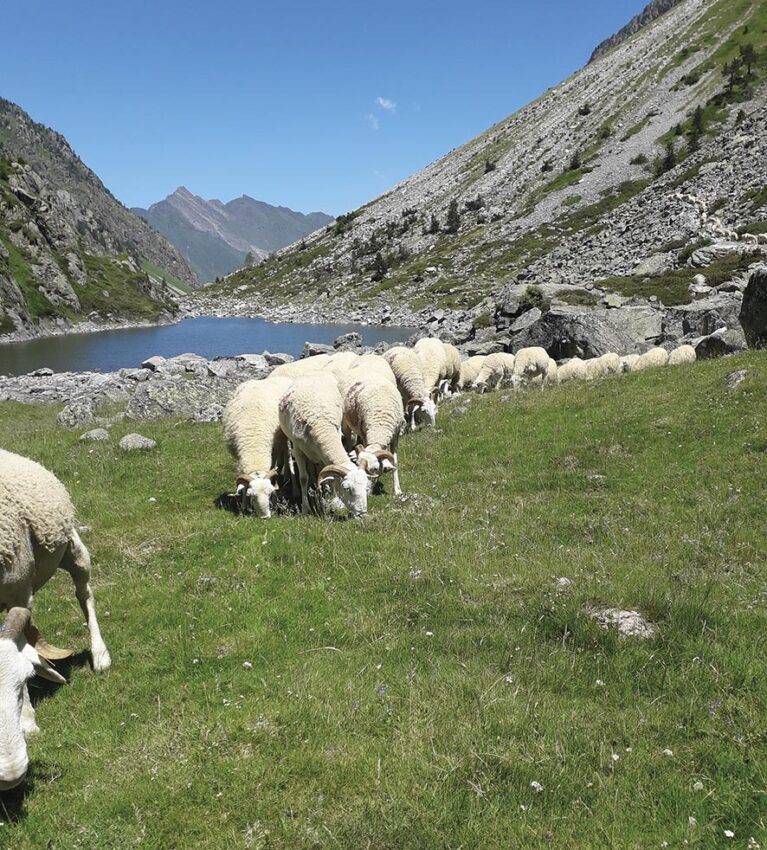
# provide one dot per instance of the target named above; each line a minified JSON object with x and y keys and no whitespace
{"x":651,"y":12}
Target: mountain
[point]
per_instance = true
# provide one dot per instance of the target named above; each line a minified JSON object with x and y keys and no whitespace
{"x":215,"y":237}
{"x":646,"y":16}
{"x":639,"y":176}
{"x":69,"y":251}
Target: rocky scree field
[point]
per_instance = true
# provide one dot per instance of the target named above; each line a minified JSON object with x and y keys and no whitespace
{"x":578,"y":192}
{"x":433,"y":676}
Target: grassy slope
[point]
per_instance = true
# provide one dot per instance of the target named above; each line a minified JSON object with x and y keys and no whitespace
{"x":415,"y":672}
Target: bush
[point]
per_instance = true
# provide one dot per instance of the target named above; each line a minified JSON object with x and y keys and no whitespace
{"x":534,"y":297}
{"x":575,"y":162}
{"x":639,"y":159}
{"x":453,"y":218}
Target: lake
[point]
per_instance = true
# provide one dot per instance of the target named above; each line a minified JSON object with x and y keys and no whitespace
{"x":209,"y":337}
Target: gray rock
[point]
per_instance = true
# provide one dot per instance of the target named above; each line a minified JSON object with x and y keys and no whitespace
{"x":636,"y":323}
{"x":526,"y":320}
{"x":700,"y":288}
{"x":176,"y":396}
{"x":733,"y":379}
{"x":348,"y":342}
{"x":702,"y":317}
{"x":628,"y":623}
{"x":96,"y":434}
{"x":705,"y":256}
{"x":44,"y":372}
{"x":612,"y":299}
{"x":277,"y":359}
{"x":574,"y":332}
{"x":753,"y":311}
{"x":255,"y":361}
{"x":311,"y":349}
{"x":76,"y":413}
{"x":137,"y":375}
{"x":153,"y":363}
{"x":720,"y":343}
{"x":135,"y":442}
{"x":654,"y":265}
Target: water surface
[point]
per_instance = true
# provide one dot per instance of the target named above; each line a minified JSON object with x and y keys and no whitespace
{"x":207,"y":336}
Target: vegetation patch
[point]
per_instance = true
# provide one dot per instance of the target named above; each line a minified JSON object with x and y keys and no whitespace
{"x":577,"y":297}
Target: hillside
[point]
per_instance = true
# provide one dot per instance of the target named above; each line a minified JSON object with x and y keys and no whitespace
{"x":586,"y":193}
{"x":216,"y":237}
{"x":69,"y":251}
{"x":411,"y":680}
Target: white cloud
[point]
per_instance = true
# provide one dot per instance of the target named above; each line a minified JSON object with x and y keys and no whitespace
{"x":385,"y":103}
{"x":372,"y":120}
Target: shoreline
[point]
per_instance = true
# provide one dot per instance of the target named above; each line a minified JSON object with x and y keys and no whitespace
{"x":87,"y":327}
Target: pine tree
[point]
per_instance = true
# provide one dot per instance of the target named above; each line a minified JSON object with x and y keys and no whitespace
{"x":433,"y":225}
{"x":380,"y":267}
{"x":669,"y":158}
{"x":453,"y":217}
{"x":575,"y":162}
{"x":748,"y":57}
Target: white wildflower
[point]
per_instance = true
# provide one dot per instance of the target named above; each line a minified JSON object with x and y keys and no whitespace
{"x":728,"y":833}
{"x":698,"y":786}
{"x":667,"y":752}
{"x":536,"y":786}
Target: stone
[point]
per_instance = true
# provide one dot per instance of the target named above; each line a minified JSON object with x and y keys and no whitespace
{"x":96,"y":435}
{"x":137,"y":375}
{"x":277,"y":359}
{"x":753,"y":310}
{"x":653,"y":265}
{"x":733,"y":379}
{"x":177,"y":396}
{"x":702,"y":317}
{"x":563,"y":583}
{"x":44,"y":372}
{"x":76,"y":413}
{"x":348,"y":342}
{"x":628,"y":623}
{"x":612,"y":299}
{"x":526,"y":320}
{"x":637,"y":323}
{"x":705,"y":256}
{"x":311,"y":349}
{"x":573,"y":332}
{"x":256,"y":361}
{"x":720,"y":343}
{"x":153,"y":363}
{"x":136,"y":442}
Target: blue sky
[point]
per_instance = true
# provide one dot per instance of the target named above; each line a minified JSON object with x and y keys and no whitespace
{"x":317,"y":106}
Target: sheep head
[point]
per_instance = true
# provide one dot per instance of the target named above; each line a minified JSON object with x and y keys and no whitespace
{"x":19,"y":662}
{"x":257,"y":490}
{"x":367,"y":461}
{"x":420,"y":410}
{"x":350,"y":484}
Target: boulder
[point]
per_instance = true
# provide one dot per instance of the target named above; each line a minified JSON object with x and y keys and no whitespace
{"x":348,"y":342}
{"x":704,"y":316}
{"x":720,"y":343}
{"x":153,"y":363}
{"x":76,"y":413}
{"x":253,"y":361}
{"x":136,"y":442}
{"x":526,"y":320}
{"x":202,"y":398}
{"x":573,"y":332}
{"x":637,"y":323}
{"x":277,"y":359}
{"x":627,"y":623}
{"x":96,"y":435}
{"x":44,"y":372}
{"x":653,"y":265}
{"x":311,"y":349}
{"x":753,"y":310}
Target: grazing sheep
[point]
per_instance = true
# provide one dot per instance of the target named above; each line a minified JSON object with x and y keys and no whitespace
{"x":374,"y":363}
{"x":651,"y":359}
{"x":470,"y":370}
{"x":628,"y":362}
{"x":682,"y":354}
{"x":300,"y":367}
{"x":496,"y":369}
{"x":452,"y":367}
{"x":419,"y":399}
{"x":38,"y":535}
{"x":431,"y":352}
{"x":311,"y":414}
{"x":341,"y":362}
{"x":573,"y":369}
{"x":600,"y":367}
{"x":529,"y":363}
{"x":373,"y":414}
{"x":254,"y":438}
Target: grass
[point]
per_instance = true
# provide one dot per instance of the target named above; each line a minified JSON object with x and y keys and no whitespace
{"x":671,"y":287}
{"x":414,"y":673}
{"x":179,"y":285}
{"x":37,"y":304}
{"x":577,"y":297}
{"x":124,"y":297}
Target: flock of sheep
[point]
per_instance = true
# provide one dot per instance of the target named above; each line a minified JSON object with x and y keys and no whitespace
{"x":326,"y":420}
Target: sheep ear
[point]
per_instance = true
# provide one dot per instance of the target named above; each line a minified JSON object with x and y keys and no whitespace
{"x":387,"y":465}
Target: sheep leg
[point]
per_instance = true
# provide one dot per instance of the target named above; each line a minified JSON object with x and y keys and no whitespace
{"x":77,"y":562}
{"x":28,"y":719}
{"x":303,"y":477}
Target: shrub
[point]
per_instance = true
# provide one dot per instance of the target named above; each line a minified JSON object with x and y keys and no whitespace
{"x":639,"y":159}
{"x":453,"y":218}
{"x":489,"y":166}
{"x":534,"y":297}
{"x":575,"y":162}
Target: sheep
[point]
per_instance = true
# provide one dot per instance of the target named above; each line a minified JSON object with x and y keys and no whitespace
{"x":495,"y":369}
{"x":254,"y":438}
{"x":340,"y":362}
{"x":682,"y":354}
{"x":628,"y":362}
{"x":373,"y":412}
{"x":37,"y":535}
{"x":599,"y":367}
{"x":419,"y":399}
{"x":470,"y":370}
{"x":573,"y":369}
{"x":452,"y":367}
{"x":529,"y":363}
{"x":651,"y":359}
{"x":311,"y":415}
{"x":300,"y":367}
{"x":374,"y":363}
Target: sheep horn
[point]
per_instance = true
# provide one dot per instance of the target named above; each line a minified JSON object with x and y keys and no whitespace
{"x":358,"y":449}
{"x":382,"y":454}
{"x":16,"y":620}
{"x":332,"y":469}
{"x":42,"y":647}
{"x":271,"y":473}
{"x":413,"y":404}
{"x":244,"y":480}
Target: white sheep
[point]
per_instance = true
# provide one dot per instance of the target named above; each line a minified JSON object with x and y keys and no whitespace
{"x":419,"y":399}
{"x":311,"y":415}
{"x":38,"y":535}
{"x":297,"y":368}
{"x":628,"y":362}
{"x":492,"y":373}
{"x":341,"y":362}
{"x":530,"y":363}
{"x":373,"y":413}
{"x":254,"y":438}
{"x":600,"y":367}
{"x":470,"y":369}
{"x":452,"y":368}
{"x":573,"y":369}
{"x":374,"y":363}
{"x":651,"y":359}
{"x":682,"y":354}
{"x":431,"y":352}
